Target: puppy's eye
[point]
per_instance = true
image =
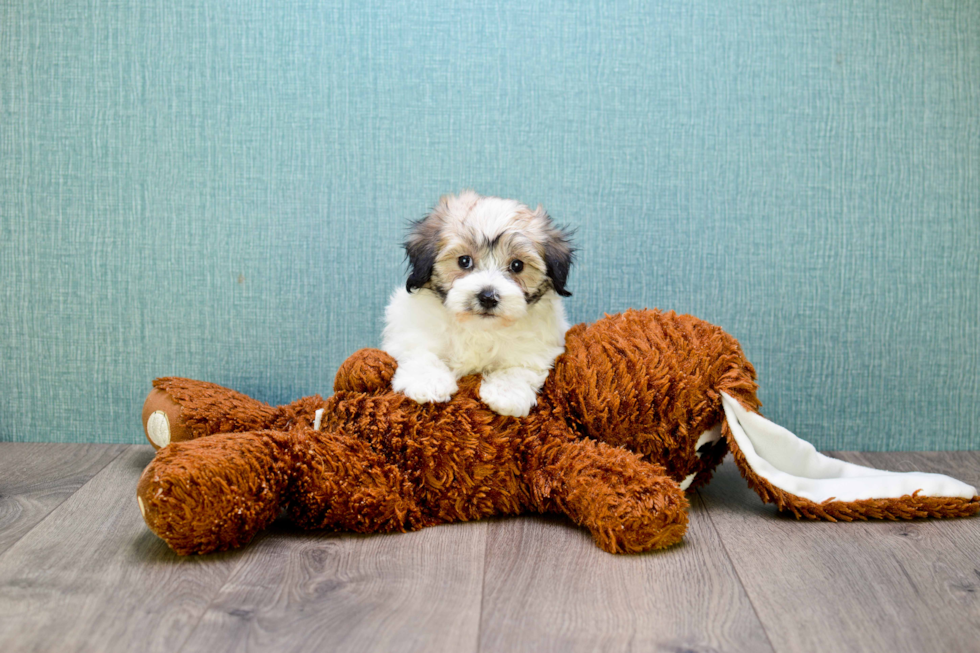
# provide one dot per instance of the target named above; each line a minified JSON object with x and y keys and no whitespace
{"x":516,"y":266}
{"x":465,"y":262}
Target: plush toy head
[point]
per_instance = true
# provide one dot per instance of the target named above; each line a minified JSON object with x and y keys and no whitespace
{"x":639,"y":408}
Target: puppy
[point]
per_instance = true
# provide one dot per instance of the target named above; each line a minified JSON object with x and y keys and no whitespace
{"x":483,"y":296}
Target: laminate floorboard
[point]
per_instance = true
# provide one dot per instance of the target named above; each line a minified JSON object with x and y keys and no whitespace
{"x":304,"y":591}
{"x":550,"y":588}
{"x":861,"y":586}
{"x":91,"y":577}
{"x":88,"y":576}
{"x":36,"y":477}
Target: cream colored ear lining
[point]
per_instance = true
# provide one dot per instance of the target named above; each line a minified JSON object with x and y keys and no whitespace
{"x":795,"y":466}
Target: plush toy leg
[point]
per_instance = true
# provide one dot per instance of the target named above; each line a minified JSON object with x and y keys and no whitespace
{"x":629,"y":505}
{"x":214,"y":493}
{"x":787,"y":471}
{"x":179,"y":409}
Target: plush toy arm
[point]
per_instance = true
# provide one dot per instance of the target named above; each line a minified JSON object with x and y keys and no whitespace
{"x":790,"y":472}
{"x":628,"y":504}
{"x":183,"y":409}
{"x":366,"y":370}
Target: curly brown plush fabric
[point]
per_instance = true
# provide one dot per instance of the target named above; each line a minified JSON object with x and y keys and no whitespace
{"x":612,"y":436}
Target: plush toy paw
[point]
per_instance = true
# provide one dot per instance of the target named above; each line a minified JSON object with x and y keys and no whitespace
{"x":215,"y":493}
{"x":424,"y":384}
{"x":512,"y":391}
{"x":366,"y":370}
{"x":162,"y":420}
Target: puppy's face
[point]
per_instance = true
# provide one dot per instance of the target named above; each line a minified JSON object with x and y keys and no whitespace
{"x":489,"y":259}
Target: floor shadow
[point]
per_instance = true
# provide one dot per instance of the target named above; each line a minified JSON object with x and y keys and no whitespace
{"x":147,"y":548}
{"x":142,"y":458}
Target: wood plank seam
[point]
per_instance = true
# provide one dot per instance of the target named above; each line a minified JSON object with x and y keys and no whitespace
{"x":212,"y":602}
{"x":882,"y":586}
{"x":731,"y":563}
{"x":121,"y":451}
{"x":483,"y":589}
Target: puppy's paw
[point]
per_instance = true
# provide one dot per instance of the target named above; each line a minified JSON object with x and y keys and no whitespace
{"x":506,"y":395}
{"x":429,"y":385}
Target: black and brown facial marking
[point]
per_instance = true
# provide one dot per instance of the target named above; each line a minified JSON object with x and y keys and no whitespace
{"x":525,"y":246}
{"x":558,"y":254}
{"x":421,"y":248}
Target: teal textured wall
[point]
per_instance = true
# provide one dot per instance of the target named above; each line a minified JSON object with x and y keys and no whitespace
{"x":218,"y":190}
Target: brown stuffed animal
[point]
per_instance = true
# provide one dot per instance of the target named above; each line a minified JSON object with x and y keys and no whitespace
{"x":638,"y":409}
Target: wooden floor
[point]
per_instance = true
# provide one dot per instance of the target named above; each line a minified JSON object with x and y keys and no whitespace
{"x":80,"y":571}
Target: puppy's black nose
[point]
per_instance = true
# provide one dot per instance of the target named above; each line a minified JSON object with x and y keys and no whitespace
{"x":487,"y":298}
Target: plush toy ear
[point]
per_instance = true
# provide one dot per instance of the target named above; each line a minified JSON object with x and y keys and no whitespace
{"x":559,"y":254}
{"x":790,"y":472}
{"x":421,"y":247}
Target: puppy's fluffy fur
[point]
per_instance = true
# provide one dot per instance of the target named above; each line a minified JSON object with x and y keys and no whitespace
{"x":483,"y":296}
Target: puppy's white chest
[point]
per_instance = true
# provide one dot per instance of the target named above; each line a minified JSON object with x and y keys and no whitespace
{"x":471,"y":351}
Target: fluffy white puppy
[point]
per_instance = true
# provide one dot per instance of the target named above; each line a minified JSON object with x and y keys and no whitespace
{"x":483,"y":296}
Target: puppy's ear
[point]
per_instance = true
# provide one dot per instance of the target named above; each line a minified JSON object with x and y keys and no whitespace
{"x":422,"y":247}
{"x":559,"y":254}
